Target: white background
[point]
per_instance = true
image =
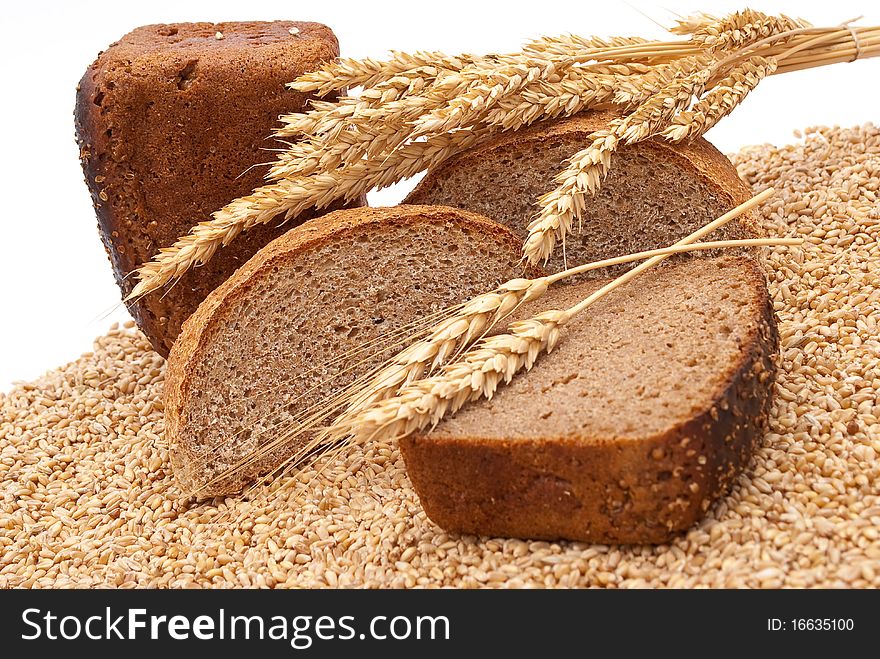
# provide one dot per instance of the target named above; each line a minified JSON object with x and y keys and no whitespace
{"x":56,"y":288}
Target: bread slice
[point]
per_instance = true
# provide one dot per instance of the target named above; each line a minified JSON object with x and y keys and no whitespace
{"x":258,"y":349}
{"x":655,"y":193}
{"x":645,"y":414}
{"x":172,"y":123}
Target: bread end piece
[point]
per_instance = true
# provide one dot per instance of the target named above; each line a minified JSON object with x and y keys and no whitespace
{"x":172,"y":123}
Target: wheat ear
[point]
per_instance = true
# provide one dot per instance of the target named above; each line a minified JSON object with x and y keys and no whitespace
{"x":381,"y":120}
{"x":566,"y":44}
{"x":288,"y":197}
{"x":718,"y":102}
{"x":587,"y":169}
{"x":372,"y":125}
{"x":566,"y":92}
{"x":742,"y":28}
{"x":477,"y":374}
{"x":481,"y":91}
{"x":493,"y":360}
{"x":344,"y":73}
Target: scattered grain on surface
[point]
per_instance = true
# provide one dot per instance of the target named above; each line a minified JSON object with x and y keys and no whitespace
{"x":87,"y":498}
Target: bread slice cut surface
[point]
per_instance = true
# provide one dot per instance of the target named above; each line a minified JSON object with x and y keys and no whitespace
{"x":273,"y":343}
{"x":655,"y":192}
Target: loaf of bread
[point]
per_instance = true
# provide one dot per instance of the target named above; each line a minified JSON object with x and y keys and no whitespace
{"x":171,"y":121}
{"x":655,"y":193}
{"x":645,"y":413}
{"x":274,"y":340}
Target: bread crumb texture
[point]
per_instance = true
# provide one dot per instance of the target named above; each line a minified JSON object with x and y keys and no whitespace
{"x":88,"y":498}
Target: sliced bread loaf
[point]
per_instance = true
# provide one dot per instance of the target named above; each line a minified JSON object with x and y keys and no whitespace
{"x":259,"y":350}
{"x":645,"y":414}
{"x":655,"y":193}
{"x":172,"y":123}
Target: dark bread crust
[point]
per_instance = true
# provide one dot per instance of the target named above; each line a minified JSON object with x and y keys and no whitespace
{"x":697,"y":156}
{"x":170,"y":122}
{"x":604,"y":489}
{"x":212,"y":315}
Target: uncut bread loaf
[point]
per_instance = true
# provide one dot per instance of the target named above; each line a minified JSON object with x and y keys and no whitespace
{"x":171,"y":121}
{"x":645,"y":413}
{"x":259,"y":350}
{"x":655,"y":192}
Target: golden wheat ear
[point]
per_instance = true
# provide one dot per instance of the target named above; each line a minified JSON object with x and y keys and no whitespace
{"x":415,"y":111}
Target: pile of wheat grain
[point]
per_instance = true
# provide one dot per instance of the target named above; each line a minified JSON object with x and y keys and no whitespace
{"x":87,"y":499}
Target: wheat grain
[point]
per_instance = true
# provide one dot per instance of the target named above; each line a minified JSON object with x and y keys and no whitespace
{"x":82,"y":446}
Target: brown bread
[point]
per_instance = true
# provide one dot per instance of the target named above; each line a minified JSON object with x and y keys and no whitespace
{"x":653,"y":403}
{"x":258,"y":350}
{"x":645,"y":414}
{"x":171,"y":121}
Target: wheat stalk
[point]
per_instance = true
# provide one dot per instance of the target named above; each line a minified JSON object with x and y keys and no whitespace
{"x":416,"y":110}
{"x":492,"y":361}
